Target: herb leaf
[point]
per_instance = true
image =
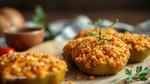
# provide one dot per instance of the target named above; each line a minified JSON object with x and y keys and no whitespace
{"x":128,"y":72}
{"x":38,"y":21}
{"x":138,"y":69}
{"x":92,"y":34}
{"x":140,"y":74}
{"x":143,"y":78}
{"x":39,"y":16}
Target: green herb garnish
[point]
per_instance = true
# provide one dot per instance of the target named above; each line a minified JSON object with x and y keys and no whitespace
{"x":98,"y":24}
{"x":39,"y":16}
{"x":38,"y":20}
{"x":140,"y":74}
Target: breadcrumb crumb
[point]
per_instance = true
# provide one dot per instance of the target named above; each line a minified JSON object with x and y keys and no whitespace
{"x":79,"y":77}
{"x":29,"y":65}
{"x":91,"y":77}
{"x":71,"y":82}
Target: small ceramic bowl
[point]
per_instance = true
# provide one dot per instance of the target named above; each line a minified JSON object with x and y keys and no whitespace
{"x":24,"y":38}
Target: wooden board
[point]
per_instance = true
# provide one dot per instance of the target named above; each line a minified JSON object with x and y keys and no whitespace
{"x":55,"y":48}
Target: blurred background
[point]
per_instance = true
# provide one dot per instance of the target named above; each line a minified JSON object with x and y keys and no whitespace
{"x":127,"y":11}
{"x":63,"y":19}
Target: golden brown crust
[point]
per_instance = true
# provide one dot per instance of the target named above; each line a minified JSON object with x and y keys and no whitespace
{"x":89,"y":52}
{"x":29,"y":65}
{"x":68,"y":49}
{"x":139,"y":45}
{"x":135,"y":41}
{"x":85,"y":32}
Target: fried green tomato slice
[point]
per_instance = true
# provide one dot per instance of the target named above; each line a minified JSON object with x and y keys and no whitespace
{"x":139,"y":46}
{"x":100,"y":58}
{"x":85,"y":32}
{"x":31,"y":68}
{"x":68,"y":49}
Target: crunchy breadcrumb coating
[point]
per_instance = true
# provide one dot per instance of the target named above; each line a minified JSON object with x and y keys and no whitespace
{"x":29,"y":65}
{"x":68,"y":49}
{"x":89,"y":52}
{"x":135,"y":41}
{"x":85,"y":32}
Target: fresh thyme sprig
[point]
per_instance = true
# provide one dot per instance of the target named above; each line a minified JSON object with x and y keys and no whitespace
{"x":98,"y":24}
{"x":38,"y":21}
{"x":140,"y":74}
{"x":39,"y":16}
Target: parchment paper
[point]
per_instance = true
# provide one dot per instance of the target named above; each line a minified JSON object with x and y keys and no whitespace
{"x":55,"y":48}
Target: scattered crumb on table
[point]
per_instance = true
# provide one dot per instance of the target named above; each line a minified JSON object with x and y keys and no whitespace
{"x":70,"y":82}
{"x":79,"y":77}
{"x":91,"y":78}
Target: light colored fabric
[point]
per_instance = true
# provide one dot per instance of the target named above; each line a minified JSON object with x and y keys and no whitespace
{"x":67,"y":29}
